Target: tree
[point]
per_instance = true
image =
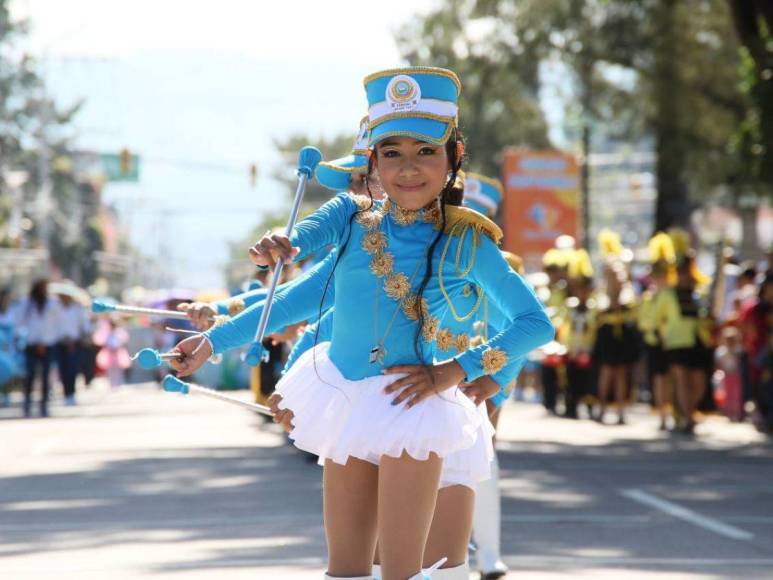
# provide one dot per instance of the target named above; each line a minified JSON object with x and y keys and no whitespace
{"x":684,"y":93}
{"x":35,"y":139}
{"x":499,"y":105}
{"x":754,"y":25}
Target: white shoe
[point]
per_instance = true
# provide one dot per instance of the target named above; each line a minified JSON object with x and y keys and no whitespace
{"x":376,"y":572}
{"x":456,"y":573}
{"x":491,"y":567}
{"x":430,"y":572}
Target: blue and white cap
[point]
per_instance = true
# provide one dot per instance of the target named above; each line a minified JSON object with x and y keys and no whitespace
{"x":420,"y":102}
{"x":483,"y":194}
{"x":337,"y":174}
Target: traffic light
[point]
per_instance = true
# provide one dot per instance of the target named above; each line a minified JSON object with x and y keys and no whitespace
{"x":253,"y":175}
{"x":126,"y":161}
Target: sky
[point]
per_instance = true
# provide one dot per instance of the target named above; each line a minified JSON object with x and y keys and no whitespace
{"x":199,"y":89}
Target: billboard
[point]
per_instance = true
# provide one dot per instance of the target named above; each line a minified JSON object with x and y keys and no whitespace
{"x":542,"y":201}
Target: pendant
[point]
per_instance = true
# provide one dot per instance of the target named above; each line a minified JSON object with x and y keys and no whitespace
{"x":377,"y":354}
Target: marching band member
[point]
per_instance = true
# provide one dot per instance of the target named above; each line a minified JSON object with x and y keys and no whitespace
{"x":616,"y":342}
{"x":383,"y":441}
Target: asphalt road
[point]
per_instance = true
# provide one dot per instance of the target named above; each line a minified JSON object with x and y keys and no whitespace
{"x":136,"y":483}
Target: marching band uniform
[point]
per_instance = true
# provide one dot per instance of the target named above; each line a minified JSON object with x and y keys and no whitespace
{"x":335,"y":390}
{"x":616,"y":348}
{"x":554,"y":262}
{"x":578,"y":334}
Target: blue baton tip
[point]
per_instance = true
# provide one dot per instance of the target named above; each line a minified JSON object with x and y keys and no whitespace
{"x":308,"y":159}
{"x":100,"y":307}
{"x":255,"y":354}
{"x":172,"y":384}
{"x":148,"y":358}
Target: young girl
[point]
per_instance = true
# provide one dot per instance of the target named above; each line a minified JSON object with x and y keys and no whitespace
{"x":616,"y":342}
{"x":371,"y":403}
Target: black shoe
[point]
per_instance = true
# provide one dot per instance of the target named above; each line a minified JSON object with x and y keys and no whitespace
{"x":493,"y":575}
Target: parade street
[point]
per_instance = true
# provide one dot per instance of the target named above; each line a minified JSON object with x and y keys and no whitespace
{"x":136,"y":483}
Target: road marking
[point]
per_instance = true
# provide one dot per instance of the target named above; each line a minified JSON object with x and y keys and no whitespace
{"x":687,"y":515}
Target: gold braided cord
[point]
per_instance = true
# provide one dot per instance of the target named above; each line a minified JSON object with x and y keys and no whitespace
{"x":397,"y":285}
{"x":411,"y":115}
{"x":443,"y":290}
{"x":414,"y":70}
{"x":355,"y":169}
{"x":462,"y":272}
{"x":420,"y":136}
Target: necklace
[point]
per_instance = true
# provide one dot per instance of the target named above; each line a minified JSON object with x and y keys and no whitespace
{"x":396,"y":284}
{"x":378,"y":352}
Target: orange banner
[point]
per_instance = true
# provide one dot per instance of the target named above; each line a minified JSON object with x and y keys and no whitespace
{"x":542,"y":201}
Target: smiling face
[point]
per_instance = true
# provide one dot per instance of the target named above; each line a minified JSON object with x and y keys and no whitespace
{"x":412,"y":172}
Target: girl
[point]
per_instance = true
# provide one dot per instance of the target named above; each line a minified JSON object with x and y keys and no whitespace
{"x":382,"y":441}
{"x":39,"y":319}
{"x":678,"y":312}
{"x":615,"y":350}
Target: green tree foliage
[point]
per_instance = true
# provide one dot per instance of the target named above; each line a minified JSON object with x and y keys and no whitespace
{"x":499,"y":104}
{"x":754,"y":24}
{"x":35,"y":137}
{"x":684,"y":61}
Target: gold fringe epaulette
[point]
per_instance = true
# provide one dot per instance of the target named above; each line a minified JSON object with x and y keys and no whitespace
{"x":235,"y":306}
{"x":460,"y":216}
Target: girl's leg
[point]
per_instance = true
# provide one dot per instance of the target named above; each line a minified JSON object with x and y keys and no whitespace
{"x":449,"y":534}
{"x":605,"y":380}
{"x":31,"y":363}
{"x":661,"y":397}
{"x":407,"y":492}
{"x":683,"y":398}
{"x":45,"y":362}
{"x":350,"y":495}
{"x":621,"y":391}
{"x":697,"y":379}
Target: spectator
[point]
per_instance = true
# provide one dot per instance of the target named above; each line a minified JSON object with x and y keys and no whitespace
{"x":113,"y":356}
{"x":39,"y":317}
{"x":755,"y":325}
{"x":74,"y":332}
{"x":728,"y":361}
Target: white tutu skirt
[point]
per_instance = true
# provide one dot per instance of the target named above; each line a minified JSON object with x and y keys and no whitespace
{"x":335,"y":418}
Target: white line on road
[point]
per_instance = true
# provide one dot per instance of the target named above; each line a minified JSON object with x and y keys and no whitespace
{"x":687,"y":515}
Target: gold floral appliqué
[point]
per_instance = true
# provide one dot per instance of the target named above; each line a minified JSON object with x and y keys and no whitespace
{"x":493,"y":361}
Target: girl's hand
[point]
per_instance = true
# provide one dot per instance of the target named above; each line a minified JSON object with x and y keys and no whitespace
{"x":195,"y":351}
{"x":270,"y":248}
{"x":282,"y":416}
{"x":481,"y":389}
{"x":423,"y":381}
{"x":199,"y":313}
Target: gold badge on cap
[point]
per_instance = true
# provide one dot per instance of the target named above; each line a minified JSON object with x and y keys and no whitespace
{"x":403,"y":93}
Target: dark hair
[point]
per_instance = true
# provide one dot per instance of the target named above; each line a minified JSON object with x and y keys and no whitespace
{"x":449,"y":195}
{"x":39,"y":294}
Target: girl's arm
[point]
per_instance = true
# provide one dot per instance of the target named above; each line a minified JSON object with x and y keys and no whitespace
{"x":327,"y":225}
{"x":294,"y":302}
{"x":528,"y":325}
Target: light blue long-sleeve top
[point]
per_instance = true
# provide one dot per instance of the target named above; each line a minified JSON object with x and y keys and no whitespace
{"x":358,"y":291}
